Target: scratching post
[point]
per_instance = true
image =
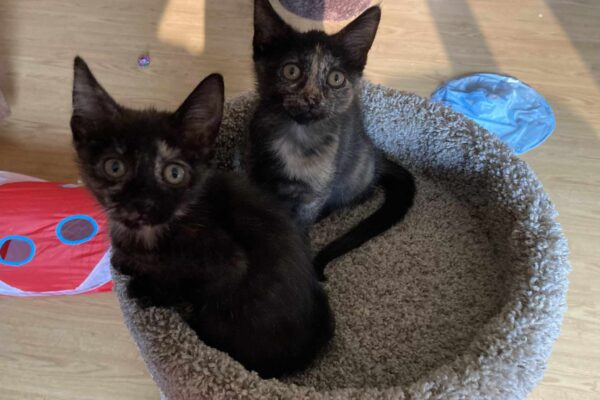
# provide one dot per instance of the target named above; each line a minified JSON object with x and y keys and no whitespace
{"x":326,"y":15}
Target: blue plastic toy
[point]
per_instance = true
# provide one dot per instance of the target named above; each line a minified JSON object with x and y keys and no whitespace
{"x":503,"y":105}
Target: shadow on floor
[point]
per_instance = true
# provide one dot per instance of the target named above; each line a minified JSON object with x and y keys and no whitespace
{"x":7,"y":21}
{"x":583,"y":29}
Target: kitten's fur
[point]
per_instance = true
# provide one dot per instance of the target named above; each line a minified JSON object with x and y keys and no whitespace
{"x":214,"y":245}
{"x":308,"y":144}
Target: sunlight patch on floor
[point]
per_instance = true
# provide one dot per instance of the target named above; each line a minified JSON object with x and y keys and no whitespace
{"x":182,"y":25}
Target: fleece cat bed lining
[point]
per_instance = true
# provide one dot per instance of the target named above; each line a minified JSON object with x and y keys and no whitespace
{"x":463,"y":299}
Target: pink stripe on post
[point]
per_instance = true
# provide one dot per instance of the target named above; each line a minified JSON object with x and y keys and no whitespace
{"x":326,"y":10}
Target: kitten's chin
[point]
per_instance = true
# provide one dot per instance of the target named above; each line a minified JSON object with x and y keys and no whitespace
{"x":133,"y":225}
{"x":146,"y":235}
{"x":139,"y":222}
{"x":307,"y":117}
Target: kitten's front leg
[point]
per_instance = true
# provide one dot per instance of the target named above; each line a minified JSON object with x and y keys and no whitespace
{"x":306,"y":214}
{"x":303,"y":202}
{"x":150,"y":293}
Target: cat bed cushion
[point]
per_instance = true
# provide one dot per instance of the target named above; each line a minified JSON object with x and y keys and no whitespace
{"x":463,"y":299}
{"x":503,"y":105}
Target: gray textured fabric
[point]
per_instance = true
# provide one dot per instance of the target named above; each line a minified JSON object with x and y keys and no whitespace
{"x":463,"y":300}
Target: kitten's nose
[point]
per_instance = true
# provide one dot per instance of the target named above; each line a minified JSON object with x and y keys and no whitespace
{"x":312,"y":99}
{"x":142,"y":205}
{"x":141,"y":209}
{"x":134,"y":219}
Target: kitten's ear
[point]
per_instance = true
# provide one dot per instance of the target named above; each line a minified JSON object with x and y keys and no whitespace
{"x":200,"y":114}
{"x":359,"y":35}
{"x":91,"y":103}
{"x":268,"y":26}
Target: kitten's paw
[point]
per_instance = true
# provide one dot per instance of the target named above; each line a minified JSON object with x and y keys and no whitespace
{"x":319,"y":267}
{"x":144,"y":302}
{"x":138,"y":290}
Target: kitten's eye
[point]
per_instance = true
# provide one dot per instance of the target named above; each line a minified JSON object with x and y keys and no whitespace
{"x":291,"y":71}
{"x":175,"y":174}
{"x":114,"y":168}
{"x":335,"y":79}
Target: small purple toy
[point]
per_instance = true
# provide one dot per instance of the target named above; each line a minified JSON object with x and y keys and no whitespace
{"x":143,"y":61}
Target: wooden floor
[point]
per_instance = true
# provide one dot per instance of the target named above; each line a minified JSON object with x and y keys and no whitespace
{"x":78,"y":348}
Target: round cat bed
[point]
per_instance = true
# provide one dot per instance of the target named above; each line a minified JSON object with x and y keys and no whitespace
{"x":462,"y":300}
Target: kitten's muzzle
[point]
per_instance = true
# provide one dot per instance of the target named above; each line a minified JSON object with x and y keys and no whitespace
{"x":140,"y":213}
{"x":306,"y":115}
{"x":307,"y":110}
{"x":135,"y":220}
{"x":312,"y":100}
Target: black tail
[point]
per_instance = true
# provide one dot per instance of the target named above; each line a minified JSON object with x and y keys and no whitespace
{"x":399,"y":187}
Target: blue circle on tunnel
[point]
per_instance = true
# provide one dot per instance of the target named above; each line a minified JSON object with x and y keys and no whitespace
{"x":16,"y":250}
{"x":76,"y":229}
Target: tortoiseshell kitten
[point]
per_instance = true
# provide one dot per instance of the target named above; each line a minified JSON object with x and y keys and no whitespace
{"x":308,"y":144}
{"x":191,"y":237}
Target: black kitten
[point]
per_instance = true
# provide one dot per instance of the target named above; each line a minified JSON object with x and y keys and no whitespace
{"x":308,"y":144}
{"x":193,"y":237}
